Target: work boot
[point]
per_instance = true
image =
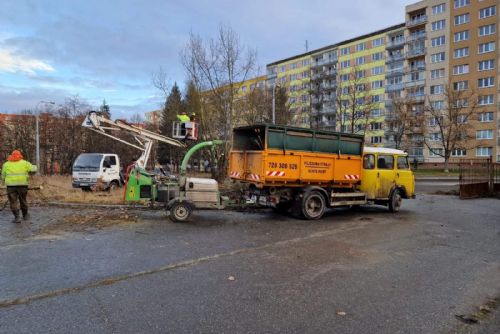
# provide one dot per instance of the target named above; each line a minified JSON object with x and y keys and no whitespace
{"x":26,"y":215}
{"x":17,"y":217}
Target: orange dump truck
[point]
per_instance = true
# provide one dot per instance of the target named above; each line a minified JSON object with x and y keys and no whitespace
{"x":307,"y":171}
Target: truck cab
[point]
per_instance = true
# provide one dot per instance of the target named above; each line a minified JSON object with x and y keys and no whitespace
{"x":386,"y":176}
{"x":93,"y":170}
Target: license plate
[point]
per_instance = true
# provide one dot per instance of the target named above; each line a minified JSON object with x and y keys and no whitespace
{"x":83,"y":184}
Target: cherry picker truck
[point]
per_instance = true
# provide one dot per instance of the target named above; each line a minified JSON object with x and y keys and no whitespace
{"x":180,"y":195}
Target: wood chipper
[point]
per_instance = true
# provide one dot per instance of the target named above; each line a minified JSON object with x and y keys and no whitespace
{"x":179,"y":194}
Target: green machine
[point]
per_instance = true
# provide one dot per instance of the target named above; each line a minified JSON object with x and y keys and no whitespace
{"x":180,"y":195}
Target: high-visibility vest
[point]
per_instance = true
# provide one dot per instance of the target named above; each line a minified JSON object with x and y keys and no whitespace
{"x":183,"y":118}
{"x":15,"y":173}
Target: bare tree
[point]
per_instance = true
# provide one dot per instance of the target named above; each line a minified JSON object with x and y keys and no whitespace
{"x":399,"y":121}
{"x":354,"y":103}
{"x":447,"y":123}
{"x":215,"y":67}
{"x":161,"y":81}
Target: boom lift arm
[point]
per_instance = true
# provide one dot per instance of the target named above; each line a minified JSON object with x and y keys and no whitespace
{"x":144,"y":138}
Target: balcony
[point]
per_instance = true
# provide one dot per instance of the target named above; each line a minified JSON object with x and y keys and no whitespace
{"x":397,"y":43}
{"x":328,"y":86}
{"x":415,"y":68}
{"x":415,"y":53}
{"x":417,"y":97}
{"x":394,"y":87}
{"x":395,"y":72}
{"x":417,"y":21}
{"x":394,"y":58}
{"x":416,"y":37}
{"x":324,"y":62}
{"x":271,"y":75}
{"x":391,"y":116}
{"x":415,"y":83}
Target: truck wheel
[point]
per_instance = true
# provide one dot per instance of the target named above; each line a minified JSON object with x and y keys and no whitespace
{"x":395,"y":201}
{"x":180,"y":212}
{"x":313,"y":205}
{"x":113,"y":185}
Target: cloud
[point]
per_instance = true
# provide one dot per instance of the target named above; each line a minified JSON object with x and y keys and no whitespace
{"x":12,"y":63}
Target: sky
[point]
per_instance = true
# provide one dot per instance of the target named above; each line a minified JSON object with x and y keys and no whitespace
{"x":51,"y":50}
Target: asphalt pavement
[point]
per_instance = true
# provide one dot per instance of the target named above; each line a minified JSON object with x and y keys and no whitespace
{"x":354,"y":271}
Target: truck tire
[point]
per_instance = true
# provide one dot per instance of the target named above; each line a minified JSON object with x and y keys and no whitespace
{"x":313,"y":205}
{"x":395,"y":201}
{"x":180,"y":212}
{"x":113,"y":185}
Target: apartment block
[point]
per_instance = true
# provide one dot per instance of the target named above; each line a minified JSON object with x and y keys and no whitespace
{"x":456,"y":41}
{"x":294,"y":74}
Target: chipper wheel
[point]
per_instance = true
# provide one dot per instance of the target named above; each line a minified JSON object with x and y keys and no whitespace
{"x":180,"y":212}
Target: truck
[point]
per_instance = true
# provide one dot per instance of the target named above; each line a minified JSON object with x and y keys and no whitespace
{"x":306,"y":171}
{"x":91,"y":170}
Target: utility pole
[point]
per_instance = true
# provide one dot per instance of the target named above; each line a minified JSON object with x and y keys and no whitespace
{"x":37,"y":135}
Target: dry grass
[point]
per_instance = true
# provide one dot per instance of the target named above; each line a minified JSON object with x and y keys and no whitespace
{"x":59,"y":189}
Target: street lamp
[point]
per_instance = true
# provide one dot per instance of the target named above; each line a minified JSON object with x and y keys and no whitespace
{"x":37,"y":135}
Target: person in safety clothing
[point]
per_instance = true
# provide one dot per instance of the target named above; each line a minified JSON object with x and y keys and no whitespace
{"x":15,"y":176}
{"x":183,"y":118}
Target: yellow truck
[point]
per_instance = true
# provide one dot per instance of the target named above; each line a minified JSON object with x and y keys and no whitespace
{"x":306,"y":171}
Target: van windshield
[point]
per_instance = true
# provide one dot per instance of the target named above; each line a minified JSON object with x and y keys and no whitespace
{"x":89,"y":162}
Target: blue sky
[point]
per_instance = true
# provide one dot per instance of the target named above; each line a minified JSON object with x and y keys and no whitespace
{"x":51,"y":50}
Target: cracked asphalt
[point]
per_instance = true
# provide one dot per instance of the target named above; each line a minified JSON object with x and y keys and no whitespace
{"x":355,"y":271}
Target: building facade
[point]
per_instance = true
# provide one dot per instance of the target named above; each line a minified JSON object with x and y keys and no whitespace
{"x":444,"y":47}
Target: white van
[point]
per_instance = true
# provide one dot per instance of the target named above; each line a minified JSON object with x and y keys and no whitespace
{"x":91,"y":169}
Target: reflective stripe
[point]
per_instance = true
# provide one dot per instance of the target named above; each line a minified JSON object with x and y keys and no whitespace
{"x":16,"y":174}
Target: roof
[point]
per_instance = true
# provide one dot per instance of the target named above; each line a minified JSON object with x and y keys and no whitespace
{"x":347,"y":41}
{"x":369,"y":149}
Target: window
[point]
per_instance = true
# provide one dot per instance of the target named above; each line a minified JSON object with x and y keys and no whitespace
{"x":344,"y":77}
{"x":283,"y":68}
{"x":345,"y":51}
{"x":293,"y":99}
{"x":403,"y":163}
{"x":437,"y":57}
{"x":460,"y":69}
{"x":461,"y":103}
{"x":461,"y":3}
{"x":360,"y":74}
{"x":486,"y":82}
{"x":437,"y":89}
{"x":438,"y":9}
{"x":462,"y":19}
{"x":436,"y":152}
{"x":484,"y":151}
{"x":369,"y":161}
{"x":485,"y":100}
{"x":305,"y":62}
{"x":377,"y":84}
{"x":360,"y":60}
{"x":304,"y":98}
{"x":487,"y":12}
{"x":436,"y":74}
{"x":462,"y":119}
{"x":377,"y":56}
{"x":376,"y":140}
{"x":345,"y":64}
{"x":435,"y":136}
{"x":438,"y":41}
{"x":438,"y":25}
{"x":376,"y":98}
{"x":459,"y":152}
{"x":293,"y":77}
{"x":434,"y":121}
{"x":395,"y":80}
{"x":376,"y":126}
{"x":437,"y":105}
{"x":461,"y":36}
{"x":376,"y":112}
{"x":377,"y":70}
{"x":484,"y":134}
{"x":486,"y":30}
{"x":360,"y":47}
{"x":486,"y":47}
{"x":378,"y":42}
{"x":385,"y":161}
{"x":345,"y":90}
{"x":461,"y":85}
{"x":460,"y":53}
{"x":293,"y":66}
{"x":360,"y":88}
{"x":305,"y":74}
{"x":486,"y":117}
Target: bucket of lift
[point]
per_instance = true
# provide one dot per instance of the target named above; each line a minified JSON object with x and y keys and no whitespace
{"x":185,"y":130}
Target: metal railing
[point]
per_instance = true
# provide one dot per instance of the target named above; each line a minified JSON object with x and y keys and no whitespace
{"x":420,"y":20}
